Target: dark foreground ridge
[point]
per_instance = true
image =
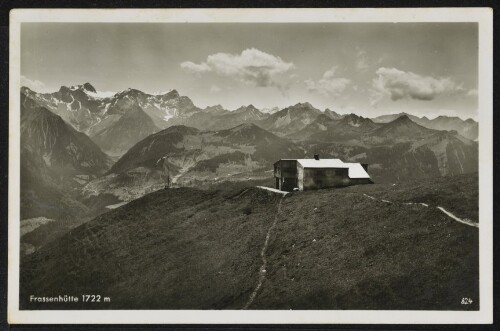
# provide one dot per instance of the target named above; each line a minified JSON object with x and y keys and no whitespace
{"x":329,"y":249}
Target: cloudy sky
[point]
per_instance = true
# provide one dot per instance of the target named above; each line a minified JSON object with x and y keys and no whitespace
{"x":369,"y":69}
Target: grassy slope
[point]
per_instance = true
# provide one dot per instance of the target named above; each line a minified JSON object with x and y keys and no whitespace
{"x":178,"y":248}
{"x":458,"y":194}
{"x":344,"y":250}
{"x":330,"y":249}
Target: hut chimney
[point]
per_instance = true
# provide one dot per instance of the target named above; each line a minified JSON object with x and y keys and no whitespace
{"x":316,"y":157}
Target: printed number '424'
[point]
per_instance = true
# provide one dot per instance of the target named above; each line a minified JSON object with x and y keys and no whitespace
{"x":466,"y":301}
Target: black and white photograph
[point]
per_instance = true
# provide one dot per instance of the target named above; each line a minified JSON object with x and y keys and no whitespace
{"x":289,"y":161}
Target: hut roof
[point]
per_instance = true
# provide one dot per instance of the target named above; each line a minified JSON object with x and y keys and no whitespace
{"x":356,"y":170}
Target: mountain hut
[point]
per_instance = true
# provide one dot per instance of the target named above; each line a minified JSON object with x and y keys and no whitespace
{"x":314,"y":174}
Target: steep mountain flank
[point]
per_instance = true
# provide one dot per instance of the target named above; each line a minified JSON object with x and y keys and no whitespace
{"x":402,"y":129}
{"x":333,"y":115}
{"x":130,"y":128}
{"x":290,"y":119}
{"x":46,"y":135}
{"x":56,"y":160}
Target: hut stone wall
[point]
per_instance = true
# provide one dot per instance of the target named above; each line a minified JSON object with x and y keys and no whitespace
{"x":318,"y":178}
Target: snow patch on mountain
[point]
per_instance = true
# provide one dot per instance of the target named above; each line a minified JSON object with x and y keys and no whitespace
{"x":161,"y":92}
{"x":284,"y":120}
{"x":355,"y":124}
{"x":100,"y":94}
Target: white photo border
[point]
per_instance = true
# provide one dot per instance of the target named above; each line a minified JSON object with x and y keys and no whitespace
{"x":482,"y":16}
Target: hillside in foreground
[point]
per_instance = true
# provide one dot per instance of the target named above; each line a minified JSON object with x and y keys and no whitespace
{"x":378,"y":246}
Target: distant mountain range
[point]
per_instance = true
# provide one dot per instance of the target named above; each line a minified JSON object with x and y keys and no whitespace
{"x":89,"y":112}
{"x":97,"y":116}
{"x":218,"y":118}
{"x":154,"y":139}
{"x":328,"y":128}
{"x":467,"y":128}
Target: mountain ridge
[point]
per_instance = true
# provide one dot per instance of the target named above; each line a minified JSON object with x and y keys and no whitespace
{"x":467,"y":128}
{"x":81,"y":106}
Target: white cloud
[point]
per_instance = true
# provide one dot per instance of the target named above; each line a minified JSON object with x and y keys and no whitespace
{"x":472,"y":93}
{"x":252,"y":67}
{"x":398,"y":84}
{"x":195,"y":68}
{"x":329,"y":84}
{"x":34,"y":85}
